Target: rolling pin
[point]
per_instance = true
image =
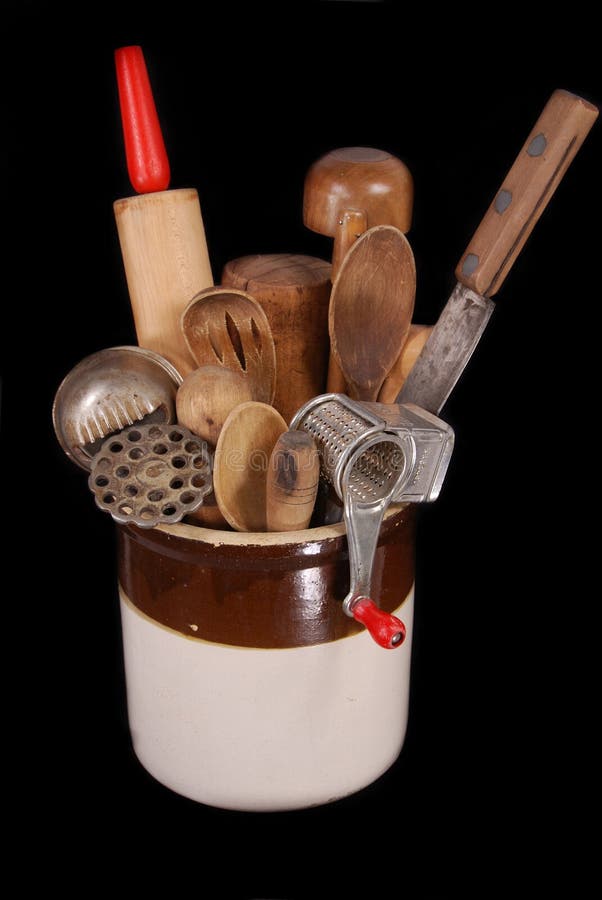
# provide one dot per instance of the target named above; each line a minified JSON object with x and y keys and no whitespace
{"x":161,"y":231}
{"x":294,"y":292}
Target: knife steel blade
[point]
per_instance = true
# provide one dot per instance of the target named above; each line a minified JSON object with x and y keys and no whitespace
{"x":528,"y":187}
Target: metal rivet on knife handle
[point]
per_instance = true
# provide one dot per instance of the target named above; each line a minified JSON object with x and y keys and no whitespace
{"x":503,"y":201}
{"x":529,"y":185}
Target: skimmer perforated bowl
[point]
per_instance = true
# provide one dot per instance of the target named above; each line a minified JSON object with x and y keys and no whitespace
{"x":151,"y":474}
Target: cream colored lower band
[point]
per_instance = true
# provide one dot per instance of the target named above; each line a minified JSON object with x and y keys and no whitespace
{"x":264,"y":730}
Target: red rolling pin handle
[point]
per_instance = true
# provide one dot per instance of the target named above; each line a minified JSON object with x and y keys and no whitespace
{"x":146,"y":157}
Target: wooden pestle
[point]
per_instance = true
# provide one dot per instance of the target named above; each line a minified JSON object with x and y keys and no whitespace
{"x":294,"y":291}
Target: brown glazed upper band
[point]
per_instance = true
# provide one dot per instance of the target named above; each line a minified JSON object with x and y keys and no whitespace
{"x":259,"y":590}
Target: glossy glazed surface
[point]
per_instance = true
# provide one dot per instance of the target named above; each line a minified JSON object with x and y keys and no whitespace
{"x":258,"y":590}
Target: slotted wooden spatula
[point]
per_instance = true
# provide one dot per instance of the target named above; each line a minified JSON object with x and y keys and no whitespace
{"x":227,"y":327}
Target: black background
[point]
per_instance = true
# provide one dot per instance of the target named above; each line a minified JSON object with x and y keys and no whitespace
{"x":498,"y":763}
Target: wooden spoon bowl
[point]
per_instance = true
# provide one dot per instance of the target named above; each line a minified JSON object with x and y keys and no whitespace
{"x":347,"y":191}
{"x":371,"y":309}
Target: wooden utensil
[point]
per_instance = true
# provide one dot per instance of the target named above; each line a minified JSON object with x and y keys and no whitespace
{"x":292,"y":482}
{"x":293,"y":291}
{"x":203,"y":401}
{"x":371,"y":308}
{"x":347,"y":191}
{"x":240,"y":470}
{"x":161,"y":232}
{"x":412,"y":347}
{"x":226,"y":327}
{"x":206,"y":396}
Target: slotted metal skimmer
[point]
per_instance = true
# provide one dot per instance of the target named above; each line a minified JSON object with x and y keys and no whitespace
{"x":374,"y":454}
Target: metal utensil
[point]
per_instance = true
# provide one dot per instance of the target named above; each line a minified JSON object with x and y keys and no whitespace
{"x":109,"y":390}
{"x":150,"y":474}
{"x":527,"y":189}
{"x":375,"y":454}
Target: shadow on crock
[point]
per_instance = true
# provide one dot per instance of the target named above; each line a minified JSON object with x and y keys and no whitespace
{"x":248,"y":688}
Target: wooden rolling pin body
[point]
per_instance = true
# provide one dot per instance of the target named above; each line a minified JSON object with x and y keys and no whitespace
{"x":294,"y":291}
{"x":166,"y":263}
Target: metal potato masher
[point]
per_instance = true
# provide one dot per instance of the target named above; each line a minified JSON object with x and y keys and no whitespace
{"x":375,"y":454}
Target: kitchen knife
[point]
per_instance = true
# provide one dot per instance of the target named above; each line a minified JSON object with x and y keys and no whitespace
{"x":528,"y":187}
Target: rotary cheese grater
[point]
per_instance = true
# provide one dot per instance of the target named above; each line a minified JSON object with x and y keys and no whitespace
{"x":375,"y":454}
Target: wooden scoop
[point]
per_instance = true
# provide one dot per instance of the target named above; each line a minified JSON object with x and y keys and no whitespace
{"x":371,"y":308}
{"x":206,"y":397}
{"x":227,"y":327}
{"x":204,"y":400}
{"x":241,"y":461}
{"x":292,"y":483}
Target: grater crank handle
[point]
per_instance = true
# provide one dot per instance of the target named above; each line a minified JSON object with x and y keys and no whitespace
{"x":363,"y":522}
{"x":385,"y":628}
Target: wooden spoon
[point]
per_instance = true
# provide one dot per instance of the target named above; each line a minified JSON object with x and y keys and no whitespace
{"x":371,"y":308}
{"x":240,"y":465}
{"x":227,"y":327}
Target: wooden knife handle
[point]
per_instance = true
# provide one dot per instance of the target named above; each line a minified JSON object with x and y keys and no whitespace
{"x":526,"y":191}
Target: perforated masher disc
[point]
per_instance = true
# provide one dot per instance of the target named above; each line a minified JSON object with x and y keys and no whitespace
{"x":150,"y":474}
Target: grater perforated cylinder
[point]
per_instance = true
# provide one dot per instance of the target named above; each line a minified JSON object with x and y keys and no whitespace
{"x":339,"y":431}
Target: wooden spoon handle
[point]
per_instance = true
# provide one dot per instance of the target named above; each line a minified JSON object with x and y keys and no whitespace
{"x":411,"y":350}
{"x":292,"y":482}
{"x":526,"y":191}
{"x":352,"y":223}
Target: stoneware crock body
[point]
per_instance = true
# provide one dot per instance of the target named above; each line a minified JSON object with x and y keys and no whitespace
{"x":248,"y":688}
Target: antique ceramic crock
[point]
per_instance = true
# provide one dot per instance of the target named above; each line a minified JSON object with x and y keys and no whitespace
{"x":248,"y":688}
